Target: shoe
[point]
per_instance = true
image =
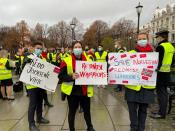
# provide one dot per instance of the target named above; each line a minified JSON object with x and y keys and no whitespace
{"x":4,"y":98}
{"x":33,"y":128}
{"x":48,"y":104}
{"x":90,"y":129}
{"x":43,"y":121}
{"x":10,"y":98}
{"x":157,"y":116}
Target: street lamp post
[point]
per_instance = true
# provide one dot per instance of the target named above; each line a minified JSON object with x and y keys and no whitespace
{"x":72,"y":24}
{"x":139,"y":10}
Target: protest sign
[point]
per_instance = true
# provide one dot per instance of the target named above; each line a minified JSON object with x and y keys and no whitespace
{"x":41,"y":74}
{"x":133,"y":68}
{"x":91,"y":73}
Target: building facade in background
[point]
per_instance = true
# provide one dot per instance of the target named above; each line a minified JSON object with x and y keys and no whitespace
{"x":162,"y":19}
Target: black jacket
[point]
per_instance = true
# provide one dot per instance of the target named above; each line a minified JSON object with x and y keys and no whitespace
{"x":142,"y":96}
{"x":64,"y":77}
{"x":163,"y":78}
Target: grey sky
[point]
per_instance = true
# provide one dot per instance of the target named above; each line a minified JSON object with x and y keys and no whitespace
{"x":52,"y":11}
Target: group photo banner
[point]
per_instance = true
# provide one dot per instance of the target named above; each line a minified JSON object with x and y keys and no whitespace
{"x":133,"y":68}
{"x":41,"y":74}
{"x":91,"y":73}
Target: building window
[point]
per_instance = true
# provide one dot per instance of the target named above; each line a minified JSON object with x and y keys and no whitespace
{"x":173,"y":37}
{"x":173,"y":27}
{"x":173,"y":18}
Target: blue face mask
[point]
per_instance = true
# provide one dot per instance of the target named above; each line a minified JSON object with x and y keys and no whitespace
{"x":142,"y":43}
{"x":38,"y":52}
{"x":77,"y":51}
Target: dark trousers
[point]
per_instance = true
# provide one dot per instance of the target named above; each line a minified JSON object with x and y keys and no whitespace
{"x":137,"y":114}
{"x":35,"y":104}
{"x":45,"y":97}
{"x":73,"y":103}
{"x":162,"y":96}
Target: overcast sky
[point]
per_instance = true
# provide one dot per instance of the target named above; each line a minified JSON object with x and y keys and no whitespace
{"x":52,"y":11}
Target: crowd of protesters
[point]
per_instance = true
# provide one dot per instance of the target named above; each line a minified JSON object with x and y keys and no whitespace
{"x":137,"y":97}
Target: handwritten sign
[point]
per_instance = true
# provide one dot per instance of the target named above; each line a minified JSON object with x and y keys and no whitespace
{"x":133,"y":68}
{"x":91,"y":73}
{"x":41,"y":74}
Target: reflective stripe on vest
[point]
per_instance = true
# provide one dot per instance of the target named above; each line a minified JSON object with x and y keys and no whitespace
{"x":63,"y":56}
{"x":53,"y":55}
{"x":138,"y":87}
{"x":4,"y":73}
{"x":66,"y":87}
{"x":102,"y":58}
{"x":168,"y":57}
{"x":30,"y":87}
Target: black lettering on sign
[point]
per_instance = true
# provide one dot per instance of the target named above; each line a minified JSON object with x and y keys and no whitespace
{"x":35,"y":63}
{"x":35,"y":80}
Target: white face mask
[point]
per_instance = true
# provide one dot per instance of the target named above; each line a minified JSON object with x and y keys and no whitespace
{"x":142,"y":43}
{"x":77,"y":51}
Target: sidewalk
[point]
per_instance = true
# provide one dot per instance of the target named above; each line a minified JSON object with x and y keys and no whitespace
{"x":109,"y":113}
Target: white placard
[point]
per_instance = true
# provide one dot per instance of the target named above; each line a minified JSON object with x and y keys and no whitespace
{"x":91,"y":73}
{"x":41,"y":74}
{"x":133,"y":68}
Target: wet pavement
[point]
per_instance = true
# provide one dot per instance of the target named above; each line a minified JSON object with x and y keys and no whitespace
{"x":108,"y":109}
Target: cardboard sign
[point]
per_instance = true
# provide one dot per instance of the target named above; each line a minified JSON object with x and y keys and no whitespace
{"x":91,"y":73}
{"x":133,"y":68}
{"x":41,"y":74}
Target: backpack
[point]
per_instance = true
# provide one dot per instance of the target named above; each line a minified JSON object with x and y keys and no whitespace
{"x":18,"y":86}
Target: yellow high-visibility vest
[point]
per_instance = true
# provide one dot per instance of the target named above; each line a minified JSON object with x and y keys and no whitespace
{"x":88,"y":55}
{"x":168,"y":57}
{"x":4,"y":73}
{"x":102,"y":58}
{"x":138,"y":87}
{"x":63,"y":56}
{"x":53,"y":55}
{"x":66,"y":87}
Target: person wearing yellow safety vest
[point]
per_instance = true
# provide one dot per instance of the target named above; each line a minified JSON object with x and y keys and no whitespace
{"x":63,"y":54}
{"x":76,"y":94}
{"x":101,"y":56}
{"x":166,"y":53}
{"x":138,"y":97}
{"x":35,"y":93}
{"x":87,"y":53}
{"x":52,"y":57}
{"x":19,"y":60}
{"x":6,"y":76}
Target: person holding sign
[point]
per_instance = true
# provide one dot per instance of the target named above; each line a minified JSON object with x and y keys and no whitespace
{"x":35,"y":94}
{"x":76,"y":94}
{"x":138,"y":97}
